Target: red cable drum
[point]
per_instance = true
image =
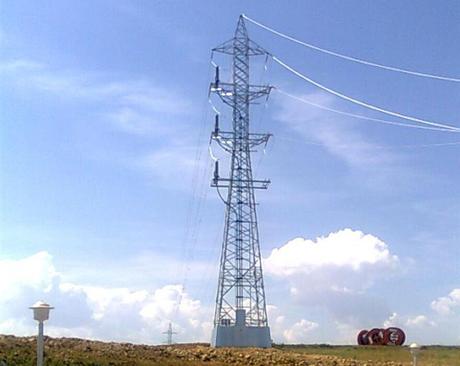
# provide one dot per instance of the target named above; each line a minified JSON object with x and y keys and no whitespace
{"x":362,"y":338}
{"x":394,"y":337}
{"x":375,"y":336}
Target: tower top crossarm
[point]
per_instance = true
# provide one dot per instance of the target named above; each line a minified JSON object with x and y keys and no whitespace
{"x":241,"y":34}
{"x":241,"y":48}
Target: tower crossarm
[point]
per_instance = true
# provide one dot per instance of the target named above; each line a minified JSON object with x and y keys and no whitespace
{"x":248,"y":183}
{"x":226,"y":90}
{"x":169,"y":332}
{"x":227,"y":140}
{"x":228,"y":48}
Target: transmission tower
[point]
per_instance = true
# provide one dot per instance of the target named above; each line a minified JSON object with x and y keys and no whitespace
{"x":169,"y":334}
{"x":240,"y":318}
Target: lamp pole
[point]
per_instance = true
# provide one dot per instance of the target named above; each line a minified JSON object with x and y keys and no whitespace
{"x":414,"y":349}
{"x":41,"y":312}
{"x":40,"y":344}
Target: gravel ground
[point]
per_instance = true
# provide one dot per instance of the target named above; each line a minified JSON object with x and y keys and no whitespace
{"x":70,"y":351}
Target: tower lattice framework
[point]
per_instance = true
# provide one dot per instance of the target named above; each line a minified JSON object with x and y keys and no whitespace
{"x":240,"y":284}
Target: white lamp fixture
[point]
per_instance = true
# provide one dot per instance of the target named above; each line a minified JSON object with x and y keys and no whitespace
{"x":414,"y":349}
{"x":41,"y":313}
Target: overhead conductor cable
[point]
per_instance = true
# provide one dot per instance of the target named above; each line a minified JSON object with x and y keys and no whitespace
{"x":363,"y":104}
{"x":358,"y":116}
{"x":350,"y":58}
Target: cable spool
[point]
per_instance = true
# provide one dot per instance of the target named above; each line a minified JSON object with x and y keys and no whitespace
{"x":362,"y":338}
{"x":393,"y":337}
{"x":375,"y":336}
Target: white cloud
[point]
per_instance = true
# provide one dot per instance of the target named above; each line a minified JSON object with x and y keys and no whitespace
{"x":343,"y":249}
{"x":137,"y":107}
{"x":277,"y":322}
{"x":286,"y":328}
{"x":420,"y":321}
{"x":31,"y":273}
{"x":394,"y":320}
{"x":169,"y":162}
{"x":168,"y":299}
{"x":106,"y":313}
{"x":134,"y":106}
{"x":417,"y":327}
{"x":334,"y":272}
{"x":130,"y":120}
{"x":339,"y":135}
{"x":447,"y":304}
{"x":425,"y":329}
{"x":20,"y":66}
{"x":300,"y":331}
{"x":99,"y":299}
{"x":178,"y":166}
{"x":346,"y":333}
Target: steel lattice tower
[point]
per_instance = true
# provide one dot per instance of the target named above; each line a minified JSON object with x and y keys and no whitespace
{"x":169,"y":334}
{"x":240,"y":316}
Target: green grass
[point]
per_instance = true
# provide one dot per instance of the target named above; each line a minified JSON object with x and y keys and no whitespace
{"x":429,"y":356}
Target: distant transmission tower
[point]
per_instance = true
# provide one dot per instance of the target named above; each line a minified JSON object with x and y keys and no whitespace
{"x":169,"y":333}
{"x":240,"y":318}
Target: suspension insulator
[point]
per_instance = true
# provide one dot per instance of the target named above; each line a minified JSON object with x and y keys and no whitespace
{"x":216,"y":125}
{"x":217,"y":77}
{"x":216,"y":171}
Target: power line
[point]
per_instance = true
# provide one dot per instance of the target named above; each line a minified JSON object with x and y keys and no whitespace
{"x":384,"y":147}
{"x":350,"y":58}
{"x":383,"y":121}
{"x":363,"y":104}
{"x":193,"y":211}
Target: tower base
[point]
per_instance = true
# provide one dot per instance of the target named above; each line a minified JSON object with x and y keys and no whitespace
{"x":241,"y":336}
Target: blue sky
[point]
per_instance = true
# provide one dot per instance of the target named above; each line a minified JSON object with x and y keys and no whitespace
{"x":105,"y":198}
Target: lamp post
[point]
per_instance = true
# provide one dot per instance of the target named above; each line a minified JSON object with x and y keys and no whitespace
{"x":414,"y":349}
{"x":41,"y":313}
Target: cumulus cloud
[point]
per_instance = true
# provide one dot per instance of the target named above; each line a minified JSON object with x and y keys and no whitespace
{"x":287,"y":329}
{"x":345,"y":248}
{"x":300,"y":331}
{"x":34,"y":272}
{"x":394,"y":320}
{"x":418,"y":328}
{"x":411,"y":322}
{"x":446,"y":305}
{"x":23,"y":280}
{"x":425,"y":328}
{"x":124,"y":314}
{"x":277,"y":322}
{"x":346,"y":333}
{"x":420,"y":321}
{"x":333,"y":272}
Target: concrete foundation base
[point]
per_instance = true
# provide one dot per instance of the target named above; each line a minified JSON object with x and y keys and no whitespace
{"x":241,"y":336}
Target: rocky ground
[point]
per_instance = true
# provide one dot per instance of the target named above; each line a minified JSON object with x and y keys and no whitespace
{"x":71,"y":351}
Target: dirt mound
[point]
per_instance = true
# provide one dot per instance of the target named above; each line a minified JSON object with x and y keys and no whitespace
{"x":71,"y":351}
